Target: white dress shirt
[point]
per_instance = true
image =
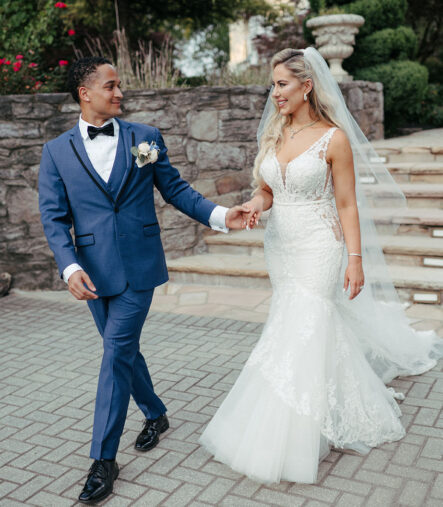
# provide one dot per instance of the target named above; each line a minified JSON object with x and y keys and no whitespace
{"x":101,"y":152}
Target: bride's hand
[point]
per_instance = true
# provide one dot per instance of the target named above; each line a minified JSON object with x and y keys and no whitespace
{"x":255,"y":209}
{"x":354,"y":277}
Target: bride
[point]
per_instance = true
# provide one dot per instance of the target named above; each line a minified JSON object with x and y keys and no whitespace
{"x":316,"y":379}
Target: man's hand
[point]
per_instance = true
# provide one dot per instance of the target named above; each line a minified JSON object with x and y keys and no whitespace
{"x":77,"y":288}
{"x":236,"y":217}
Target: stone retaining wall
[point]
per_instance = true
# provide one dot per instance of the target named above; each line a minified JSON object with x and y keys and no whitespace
{"x":211,"y":136}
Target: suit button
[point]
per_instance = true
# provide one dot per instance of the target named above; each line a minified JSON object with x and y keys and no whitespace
{"x":116,"y":209}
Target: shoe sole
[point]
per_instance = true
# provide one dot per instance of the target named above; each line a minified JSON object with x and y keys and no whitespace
{"x":155,"y":443}
{"x":102,"y":497}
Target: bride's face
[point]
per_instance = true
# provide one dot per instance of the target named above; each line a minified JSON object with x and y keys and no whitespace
{"x":288,"y":90}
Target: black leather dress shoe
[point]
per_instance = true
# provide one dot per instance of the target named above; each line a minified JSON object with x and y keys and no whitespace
{"x":100,"y":481}
{"x":149,"y":437}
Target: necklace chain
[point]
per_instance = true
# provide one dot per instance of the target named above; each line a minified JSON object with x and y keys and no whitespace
{"x":294,"y":131}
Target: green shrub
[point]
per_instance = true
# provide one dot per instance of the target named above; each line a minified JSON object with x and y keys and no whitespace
{"x":388,"y":44}
{"x":318,"y":5}
{"x":432,"y":110}
{"x":378,"y":14}
{"x":405,"y":87}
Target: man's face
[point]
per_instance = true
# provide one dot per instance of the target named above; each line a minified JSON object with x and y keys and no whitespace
{"x":102,"y":92}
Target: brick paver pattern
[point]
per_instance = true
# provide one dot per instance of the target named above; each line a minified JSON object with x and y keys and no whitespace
{"x":50,"y":356}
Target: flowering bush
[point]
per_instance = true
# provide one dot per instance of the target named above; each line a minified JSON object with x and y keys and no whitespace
{"x":37,"y":46}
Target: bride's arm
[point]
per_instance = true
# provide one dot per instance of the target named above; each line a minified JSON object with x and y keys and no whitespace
{"x":261,"y":201}
{"x":342,"y":166}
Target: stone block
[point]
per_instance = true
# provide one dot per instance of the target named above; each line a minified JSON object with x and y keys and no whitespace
{"x":5,"y":107}
{"x":34,"y":110}
{"x":18,"y":130}
{"x":191,"y":150}
{"x":203,"y":125}
{"x":53,"y":98}
{"x":70,"y":107}
{"x":228,"y":200}
{"x":239,"y":130}
{"x":23,"y":206}
{"x":148,"y":102}
{"x":176,"y":241}
{"x":171,"y":218}
{"x":240,"y":101}
{"x":27,"y":156}
{"x":163,"y":120}
{"x":210,"y":99}
{"x":355,"y":99}
{"x":220,"y":156}
{"x":175,"y":145}
{"x":59,"y":124}
{"x":228,"y":184}
{"x":205,"y":187}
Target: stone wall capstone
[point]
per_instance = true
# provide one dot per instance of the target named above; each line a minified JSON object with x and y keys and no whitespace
{"x":211,"y":137}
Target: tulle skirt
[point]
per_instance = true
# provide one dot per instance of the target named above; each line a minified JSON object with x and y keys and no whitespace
{"x":316,"y":378}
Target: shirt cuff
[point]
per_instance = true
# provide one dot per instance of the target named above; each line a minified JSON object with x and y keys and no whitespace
{"x":72,"y":268}
{"x":217,"y":220}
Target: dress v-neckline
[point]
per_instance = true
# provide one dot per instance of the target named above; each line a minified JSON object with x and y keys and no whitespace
{"x":279,"y":165}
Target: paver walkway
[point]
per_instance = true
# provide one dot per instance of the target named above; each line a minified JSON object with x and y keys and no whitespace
{"x":49,"y":361}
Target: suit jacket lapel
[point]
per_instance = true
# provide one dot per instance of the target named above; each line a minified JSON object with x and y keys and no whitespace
{"x":82,"y":157}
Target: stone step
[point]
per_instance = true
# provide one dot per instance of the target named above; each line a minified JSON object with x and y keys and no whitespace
{"x":418,"y":195}
{"x":410,"y":153}
{"x":416,"y":172}
{"x":423,"y":195}
{"x":424,"y":146}
{"x":401,"y":250}
{"x":413,"y":284}
{"x":410,"y":221}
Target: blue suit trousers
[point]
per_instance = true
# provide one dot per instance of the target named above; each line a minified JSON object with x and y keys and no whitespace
{"x":123,"y":371}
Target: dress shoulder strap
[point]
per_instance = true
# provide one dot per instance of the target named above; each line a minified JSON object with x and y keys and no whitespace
{"x":324,"y":142}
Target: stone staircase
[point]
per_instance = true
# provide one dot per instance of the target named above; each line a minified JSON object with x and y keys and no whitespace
{"x":414,"y":254}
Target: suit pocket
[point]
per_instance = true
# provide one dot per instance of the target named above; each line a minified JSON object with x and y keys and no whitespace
{"x":151,"y":229}
{"x":84,"y":240}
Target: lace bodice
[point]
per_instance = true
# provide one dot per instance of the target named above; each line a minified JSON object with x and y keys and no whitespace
{"x":306,"y":178}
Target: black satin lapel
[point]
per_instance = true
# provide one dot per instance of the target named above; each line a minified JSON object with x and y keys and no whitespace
{"x":129,"y":141}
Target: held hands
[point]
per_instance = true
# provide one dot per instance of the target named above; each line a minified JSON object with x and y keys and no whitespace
{"x":354,"y":277}
{"x":245,"y":216}
{"x":76,"y":286}
{"x":237,"y":217}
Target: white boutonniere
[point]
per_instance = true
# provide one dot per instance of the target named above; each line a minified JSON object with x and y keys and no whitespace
{"x":146,"y":153}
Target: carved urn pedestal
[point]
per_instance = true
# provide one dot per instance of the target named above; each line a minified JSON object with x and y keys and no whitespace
{"x":334,"y":37}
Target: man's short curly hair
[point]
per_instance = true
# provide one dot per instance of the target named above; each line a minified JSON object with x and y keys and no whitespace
{"x":80,"y":71}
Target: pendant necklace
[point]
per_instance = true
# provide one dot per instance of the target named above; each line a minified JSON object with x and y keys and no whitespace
{"x":296,"y":131}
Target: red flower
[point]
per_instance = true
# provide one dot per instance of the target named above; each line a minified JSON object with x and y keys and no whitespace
{"x":71,"y":32}
{"x":16,"y":66}
{"x":32,"y":65}
{"x":19,"y":57}
{"x":62,"y":63}
{"x":8,"y":62}
{"x":2,"y":61}
{"x":60,"y":5}
{"x":37,"y":85}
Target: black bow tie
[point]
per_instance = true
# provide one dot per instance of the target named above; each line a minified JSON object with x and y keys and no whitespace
{"x":107,"y":130}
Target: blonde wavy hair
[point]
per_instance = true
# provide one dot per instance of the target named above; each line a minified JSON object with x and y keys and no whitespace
{"x":294,"y":61}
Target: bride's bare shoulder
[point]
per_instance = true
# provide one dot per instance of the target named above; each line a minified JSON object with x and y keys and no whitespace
{"x":339,"y":139}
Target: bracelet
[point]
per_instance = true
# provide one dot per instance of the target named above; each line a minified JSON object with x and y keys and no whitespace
{"x":355,"y":254}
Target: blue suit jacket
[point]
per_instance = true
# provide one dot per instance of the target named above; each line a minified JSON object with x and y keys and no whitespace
{"x":117,"y":235}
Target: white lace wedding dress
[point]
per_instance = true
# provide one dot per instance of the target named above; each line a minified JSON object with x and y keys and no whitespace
{"x":316,"y":377}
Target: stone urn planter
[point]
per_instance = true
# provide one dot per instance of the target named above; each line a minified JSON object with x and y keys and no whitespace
{"x":334,"y":37}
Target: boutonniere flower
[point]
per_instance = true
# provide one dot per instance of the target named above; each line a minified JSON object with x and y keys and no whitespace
{"x":146,"y":153}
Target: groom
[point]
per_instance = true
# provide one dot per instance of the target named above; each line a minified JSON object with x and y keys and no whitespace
{"x":89,"y":180}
